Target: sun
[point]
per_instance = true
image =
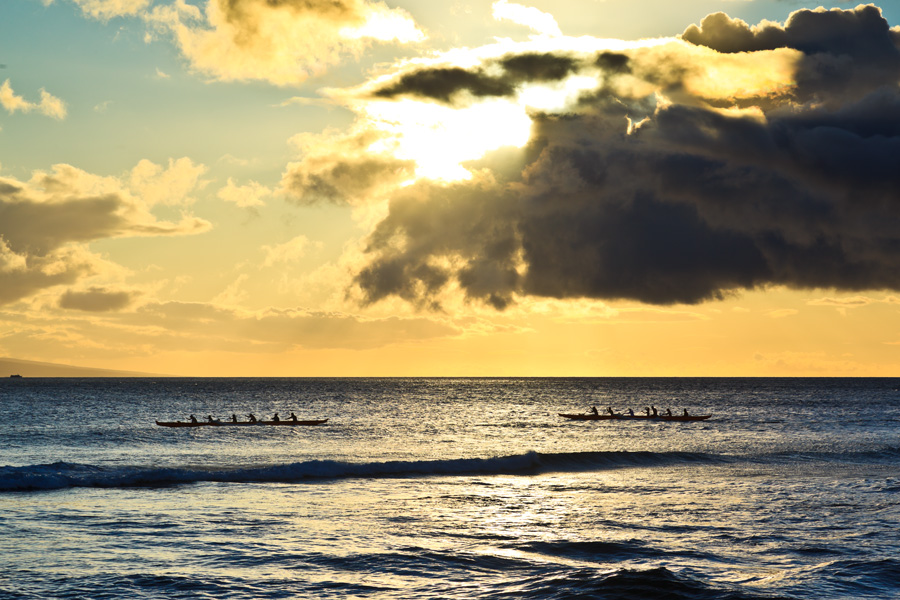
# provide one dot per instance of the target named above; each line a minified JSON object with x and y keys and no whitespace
{"x":440,"y":138}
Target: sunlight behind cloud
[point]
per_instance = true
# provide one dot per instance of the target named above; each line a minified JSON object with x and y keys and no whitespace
{"x":556,"y":98}
{"x":438,"y":138}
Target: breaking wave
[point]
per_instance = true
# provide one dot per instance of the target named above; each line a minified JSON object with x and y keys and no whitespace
{"x":60,"y":475}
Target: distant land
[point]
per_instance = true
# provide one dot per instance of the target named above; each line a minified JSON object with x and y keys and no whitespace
{"x":30,"y":368}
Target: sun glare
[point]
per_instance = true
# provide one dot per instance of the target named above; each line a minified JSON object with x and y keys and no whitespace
{"x":440,"y":138}
{"x":542,"y":97}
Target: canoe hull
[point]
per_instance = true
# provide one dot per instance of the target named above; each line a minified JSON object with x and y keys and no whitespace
{"x":240,"y":423}
{"x":674,"y":418}
{"x":589,"y":417}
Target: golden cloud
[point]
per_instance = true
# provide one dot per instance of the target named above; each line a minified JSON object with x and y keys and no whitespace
{"x":281,"y":42}
{"x":47,"y":221}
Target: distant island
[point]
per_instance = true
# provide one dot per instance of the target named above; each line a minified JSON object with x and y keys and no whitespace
{"x":18,"y":369}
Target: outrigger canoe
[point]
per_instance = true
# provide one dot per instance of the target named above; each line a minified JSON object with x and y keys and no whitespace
{"x":289,"y":423}
{"x":618,"y":417}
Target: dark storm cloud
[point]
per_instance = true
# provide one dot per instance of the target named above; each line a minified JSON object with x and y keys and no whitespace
{"x":442,"y":83}
{"x":696,"y":204}
{"x":847,"y":53}
{"x":862,"y":33}
{"x":536,"y":66}
{"x":614,"y":62}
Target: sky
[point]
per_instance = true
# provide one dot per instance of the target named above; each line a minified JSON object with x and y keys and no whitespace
{"x":461,"y":188}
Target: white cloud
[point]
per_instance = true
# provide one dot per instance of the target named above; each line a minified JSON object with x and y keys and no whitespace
{"x":537,"y":20}
{"x":49,"y":105}
{"x":245,"y":196}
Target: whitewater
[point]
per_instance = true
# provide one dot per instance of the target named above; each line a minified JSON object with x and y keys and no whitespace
{"x":450,"y":488}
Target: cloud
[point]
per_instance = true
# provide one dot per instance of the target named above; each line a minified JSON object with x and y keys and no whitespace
{"x":169,"y":186}
{"x":847,"y":53}
{"x":234,"y":294}
{"x":537,"y":20}
{"x":498,"y":78}
{"x":343,"y":168}
{"x":290,"y":251}
{"x":46,"y":222}
{"x":96,"y":299}
{"x":49,"y":105}
{"x":284,"y":41}
{"x":687,"y":173}
{"x":107,"y":9}
{"x":22,"y":275}
{"x":207,"y":326}
{"x":245,"y":196}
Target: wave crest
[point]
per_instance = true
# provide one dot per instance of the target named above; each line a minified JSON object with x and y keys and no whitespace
{"x":60,"y":475}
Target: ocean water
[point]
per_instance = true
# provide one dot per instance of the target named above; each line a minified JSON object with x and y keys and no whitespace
{"x":450,"y":488}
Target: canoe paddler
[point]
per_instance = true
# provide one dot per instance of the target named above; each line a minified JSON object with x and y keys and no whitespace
{"x":594,"y":410}
{"x":193,"y":419}
{"x":610,"y":410}
{"x":293,"y":417}
{"x":252,"y":417}
{"x":233,"y":418}
{"x":275,"y":418}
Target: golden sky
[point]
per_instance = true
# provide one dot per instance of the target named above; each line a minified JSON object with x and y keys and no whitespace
{"x":359,"y":188}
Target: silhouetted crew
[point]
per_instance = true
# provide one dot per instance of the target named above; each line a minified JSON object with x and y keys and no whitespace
{"x":668,"y":412}
{"x":610,"y":410}
{"x":630,"y":412}
{"x":233,"y":418}
{"x":686,"y":413}
{"x":293,"y":417}
{"x":275,"y":418}
{"x":193,"y":419}
{"x":655,"y":414}
{"x":594,"y":410}
{"x":252,"y":417}
{"x":210,"y":419}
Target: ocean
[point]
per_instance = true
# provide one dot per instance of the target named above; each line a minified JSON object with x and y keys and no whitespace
{"x":450,"y":488}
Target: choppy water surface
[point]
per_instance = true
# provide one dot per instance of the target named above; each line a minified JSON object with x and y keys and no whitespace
{"x":450,"y":488}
